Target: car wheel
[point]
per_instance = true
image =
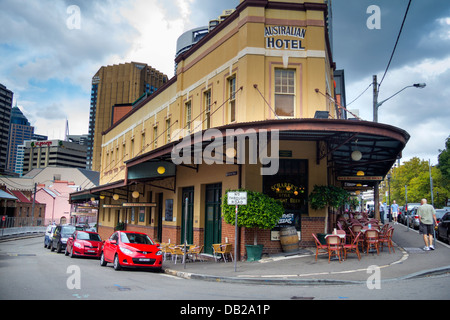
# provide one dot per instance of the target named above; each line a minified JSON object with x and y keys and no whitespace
{"x":102,"y":260}
{"x":116,"y":263}
{"x":51,"y":247}
{"x":66,"y":252}
{"x":58,"y":248}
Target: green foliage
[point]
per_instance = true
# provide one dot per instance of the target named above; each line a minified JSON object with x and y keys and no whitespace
{"x":444,"y":162}
{"x":415,"y":174}
{"x":323,"y":196}
{"x":260,"y":212}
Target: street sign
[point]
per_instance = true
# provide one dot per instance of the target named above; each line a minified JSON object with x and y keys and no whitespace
{"x":237,"y":198}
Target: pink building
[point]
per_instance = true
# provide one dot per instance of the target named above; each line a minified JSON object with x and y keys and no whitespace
{"x":56,"y":198}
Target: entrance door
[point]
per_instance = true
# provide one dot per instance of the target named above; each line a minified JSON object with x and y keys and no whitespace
{"x":159,"y":198}
{"x":213,"y":221}
{"x":188,"y":193}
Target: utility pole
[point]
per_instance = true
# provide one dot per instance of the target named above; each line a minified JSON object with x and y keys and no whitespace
{"x":375,"y":99}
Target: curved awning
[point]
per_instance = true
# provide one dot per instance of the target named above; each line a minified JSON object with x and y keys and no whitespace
{"x":380,"y":144}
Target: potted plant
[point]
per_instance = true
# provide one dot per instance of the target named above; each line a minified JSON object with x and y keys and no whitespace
{"x":261,"y":212}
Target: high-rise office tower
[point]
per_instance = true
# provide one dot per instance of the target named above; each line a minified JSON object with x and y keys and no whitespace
{"x":117,"y":84}
{"x":6,"y":98}
{"x":20,"y":130}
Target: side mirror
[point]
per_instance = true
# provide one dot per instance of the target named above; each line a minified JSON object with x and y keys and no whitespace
{"x":114,"y":242}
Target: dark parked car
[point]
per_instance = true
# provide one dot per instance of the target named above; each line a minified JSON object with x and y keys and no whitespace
{"x":413,"y":217}
{"x":440,"y":213}
{"x":443,"y":229}
{"x":60,"y":236}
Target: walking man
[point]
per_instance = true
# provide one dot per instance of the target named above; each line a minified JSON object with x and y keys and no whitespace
{"x":394,"y":211}
{"x":426,"y":215}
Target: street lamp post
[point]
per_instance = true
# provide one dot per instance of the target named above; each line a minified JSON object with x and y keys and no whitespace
{"x":377,"y":104}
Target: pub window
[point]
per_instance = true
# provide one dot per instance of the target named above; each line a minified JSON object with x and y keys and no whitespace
{"x":143,"y":142}
{"x":284,"y":92}
{"x":207,"y":108}
{"x":188,"y":117}
{"x":232,"y":98}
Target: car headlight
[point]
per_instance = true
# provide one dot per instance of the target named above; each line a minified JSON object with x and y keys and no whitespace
{"x":63,"y":240}
{"x":159,"y":253}
{"x":125,"y":250}
{"x":78,"y":245}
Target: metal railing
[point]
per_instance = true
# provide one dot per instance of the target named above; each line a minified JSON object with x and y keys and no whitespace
{"x":22,"y":225}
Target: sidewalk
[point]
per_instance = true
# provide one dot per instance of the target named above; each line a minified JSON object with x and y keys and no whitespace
{"x":408,"y":261}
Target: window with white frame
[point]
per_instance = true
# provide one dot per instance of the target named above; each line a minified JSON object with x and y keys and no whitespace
{"x":232,"y":98}
{"x":285,"y":92}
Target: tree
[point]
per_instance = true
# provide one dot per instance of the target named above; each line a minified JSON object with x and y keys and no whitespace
{"x":444,"y":162}
{"x":415,"y":174}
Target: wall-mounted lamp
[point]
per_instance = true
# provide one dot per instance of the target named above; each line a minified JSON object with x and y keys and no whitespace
{"x":360,"y":173}
{"x":161,"y":170}
{"x":116,"y":196}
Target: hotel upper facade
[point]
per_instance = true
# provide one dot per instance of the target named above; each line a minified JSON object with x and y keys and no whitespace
{"x":262,"y":73}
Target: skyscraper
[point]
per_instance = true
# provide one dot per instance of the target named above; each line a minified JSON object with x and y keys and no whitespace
{"x":20,"y":130}
{"x":6,"y":98}
{"x":116,"y":84}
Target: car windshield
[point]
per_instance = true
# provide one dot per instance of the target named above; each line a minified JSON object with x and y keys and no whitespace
{"x":88,"y":236}
{"x":67,"y":230}
{"x":135,"y":238}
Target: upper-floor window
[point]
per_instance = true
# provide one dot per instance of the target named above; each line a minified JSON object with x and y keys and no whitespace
{"x":188,"y":117}
{"x":232,"y":98}
{"x":284,"y":92}
{"x":168,"y":130}
{"x":207,"y":108}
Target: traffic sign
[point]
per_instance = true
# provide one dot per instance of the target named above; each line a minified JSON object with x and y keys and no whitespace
{"x":237,"y":198}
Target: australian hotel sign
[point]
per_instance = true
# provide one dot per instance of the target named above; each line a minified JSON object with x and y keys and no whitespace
{"x":275,"y":37}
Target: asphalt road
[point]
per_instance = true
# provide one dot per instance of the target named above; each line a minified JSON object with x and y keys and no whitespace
{"x":28,"y":271}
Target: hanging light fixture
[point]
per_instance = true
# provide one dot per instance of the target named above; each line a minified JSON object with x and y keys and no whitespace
{"x":135,"y":194}
{"x":116,"y":196}
{"x":356,"y":155}
{"x":360,"y":173}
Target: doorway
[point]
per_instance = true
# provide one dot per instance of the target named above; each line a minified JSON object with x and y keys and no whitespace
{"x":213,"y":221}
{"x":188,"y":193}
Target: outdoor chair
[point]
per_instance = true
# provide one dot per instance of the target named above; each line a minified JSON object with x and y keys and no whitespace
{"x":371,"y":238}
{"x":195,"y":252}
{"x":386,"y":239}
{"x":334,"y":246}
{"x":222,"y":250}
{"x":319,"y":247}
{"x":353,"y":247}
{"x":177,"y":251}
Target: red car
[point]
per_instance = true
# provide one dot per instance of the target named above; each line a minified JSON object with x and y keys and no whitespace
{"x":131,"y":249}
{"x":84,"y":243}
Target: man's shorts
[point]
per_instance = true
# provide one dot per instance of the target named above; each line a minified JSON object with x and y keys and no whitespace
{"x":426,"y":228}
{"x":394,"y":214}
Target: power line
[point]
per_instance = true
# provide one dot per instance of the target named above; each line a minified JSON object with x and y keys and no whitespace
{"x":396,"y":42}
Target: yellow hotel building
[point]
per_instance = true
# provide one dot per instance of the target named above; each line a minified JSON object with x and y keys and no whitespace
{"x":263,"y":73}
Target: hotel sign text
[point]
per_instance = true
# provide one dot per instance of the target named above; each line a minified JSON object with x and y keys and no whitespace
{"x":273,"y":41}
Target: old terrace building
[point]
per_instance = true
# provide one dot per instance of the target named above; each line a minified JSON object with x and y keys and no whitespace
{"x":263,"y":73}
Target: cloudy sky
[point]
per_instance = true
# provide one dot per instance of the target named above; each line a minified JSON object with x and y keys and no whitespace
{"x":49,"y":56}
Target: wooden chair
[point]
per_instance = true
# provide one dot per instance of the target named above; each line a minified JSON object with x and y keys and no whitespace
{"x":352,"y":247}
{"x":386,"y":239}
{"x":371,"y":238}
{"x":319,"y":247}
{"x":334,"y":246}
